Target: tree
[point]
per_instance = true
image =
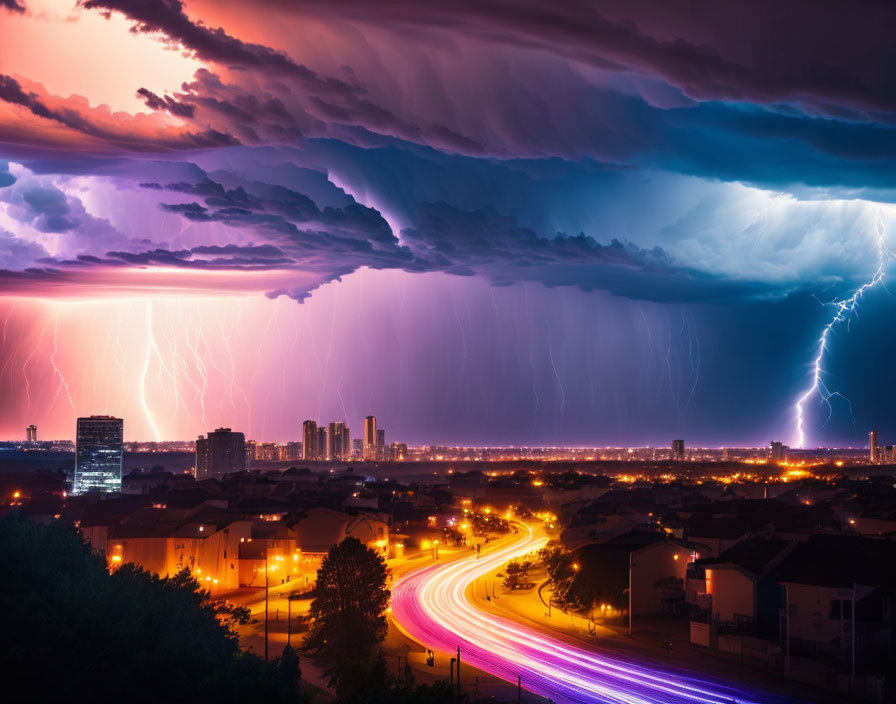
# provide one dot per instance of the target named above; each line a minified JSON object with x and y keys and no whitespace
{"x":71,"y":630}
{"x":348,"y":615}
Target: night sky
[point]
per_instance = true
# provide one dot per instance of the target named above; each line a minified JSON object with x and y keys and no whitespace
{"x":484,"y":221}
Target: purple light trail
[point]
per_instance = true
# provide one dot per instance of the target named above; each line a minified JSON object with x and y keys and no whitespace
{"x":430,"y":605}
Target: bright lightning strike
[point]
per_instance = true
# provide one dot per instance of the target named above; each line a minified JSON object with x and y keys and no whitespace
{"x":150,"y":347}
{"x":843,"y":312}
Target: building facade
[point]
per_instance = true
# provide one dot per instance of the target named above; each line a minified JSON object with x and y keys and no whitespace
{"x":310,"y":451}
{"x":678,"y":450}
{"x":370,"y":438}
{"x":99,"y":450}
{"x":221,"y":452}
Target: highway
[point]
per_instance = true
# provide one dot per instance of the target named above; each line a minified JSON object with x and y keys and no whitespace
{"x":431,"y":607}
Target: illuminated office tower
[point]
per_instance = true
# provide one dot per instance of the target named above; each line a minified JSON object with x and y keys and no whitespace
{"x":776,"y":451}
{"x":99,"y":448}
{"x":31,"y":433}
{"x":321,"y":453}
{"x":678,"y":450}
{"x":370,"y":438}
{"x":309,"y":441}
{"x":873,"y":447}
{"x":224,"y":453}
{"x":380,"y":443}
{"x":346,"y":445}
{"x":336,"y":435}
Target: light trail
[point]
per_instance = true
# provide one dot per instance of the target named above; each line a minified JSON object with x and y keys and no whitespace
{"x":843,"y":311}
{"x":430,"y":605}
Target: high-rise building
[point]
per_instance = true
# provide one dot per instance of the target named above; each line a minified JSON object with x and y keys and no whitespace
{"x":201,"y":466}
{"x":309,"y":441}
{"x":321,"y":443}
{"x":873,"y":447}
{"x":346,"y":444}
{"x":224,"y":453}
{"x":777,"y":451}
{"x":380,"y":443}
{"x":357,"y":448}
{"x":370,"y":438}
{"x":99,"y":448}
{"x":678,"y":450}
{"x":31,"y":433}
{"x":336,"y":435}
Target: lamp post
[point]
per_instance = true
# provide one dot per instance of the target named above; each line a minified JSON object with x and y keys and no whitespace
{"x":458,"y":675}
{"x":266,"y":550}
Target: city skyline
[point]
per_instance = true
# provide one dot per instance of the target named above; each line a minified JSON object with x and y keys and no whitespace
{"x":315,"y":444}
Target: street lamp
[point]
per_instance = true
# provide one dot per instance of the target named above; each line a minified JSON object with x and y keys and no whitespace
{"x":266,"y":550}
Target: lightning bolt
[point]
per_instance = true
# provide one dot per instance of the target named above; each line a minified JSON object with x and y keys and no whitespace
{"x":150,"y":346}
{"x":843,"y":311}
{"x":63,"y":384}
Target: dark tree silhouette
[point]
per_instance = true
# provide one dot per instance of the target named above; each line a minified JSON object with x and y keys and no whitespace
{"x":348,"y":615}
{"x":72,"y":631}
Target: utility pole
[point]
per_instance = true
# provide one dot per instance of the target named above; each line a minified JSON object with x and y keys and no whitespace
{"x":458,"y":674}
{"x":266,"y":549}
{"x":519,"y":689}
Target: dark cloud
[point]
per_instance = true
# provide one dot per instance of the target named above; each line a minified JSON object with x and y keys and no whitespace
{"x":11,"y":91}
{"x":168,"y":104}
{"x":333,"y":242}
{"x":6,"y":178}
{"x":210,"y":44}
{"x":485,"y":242}
{"x":815,"y":53}
{"x":13,"y":6}
{"x":277,"y":209}
{"x":17,"y":253}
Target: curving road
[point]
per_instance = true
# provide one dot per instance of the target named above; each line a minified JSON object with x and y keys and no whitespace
{"x":430,"y":606}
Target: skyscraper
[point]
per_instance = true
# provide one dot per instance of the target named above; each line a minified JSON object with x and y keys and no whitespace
{"x":380,"y":443}
{"x":99,"y":448}
{"x":201,"y":469}
{"x":873,"y":447}
{"x":224,"y":453}
{"x":336,"y":435}
{"x":309,"y":441}
{"x":346,"y":443}
{"x":321,"y":442}
{"x":370,"y":438}
{"x":776,"y":451}
{"x":678,"y":450}
{"x":31,"y":433}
